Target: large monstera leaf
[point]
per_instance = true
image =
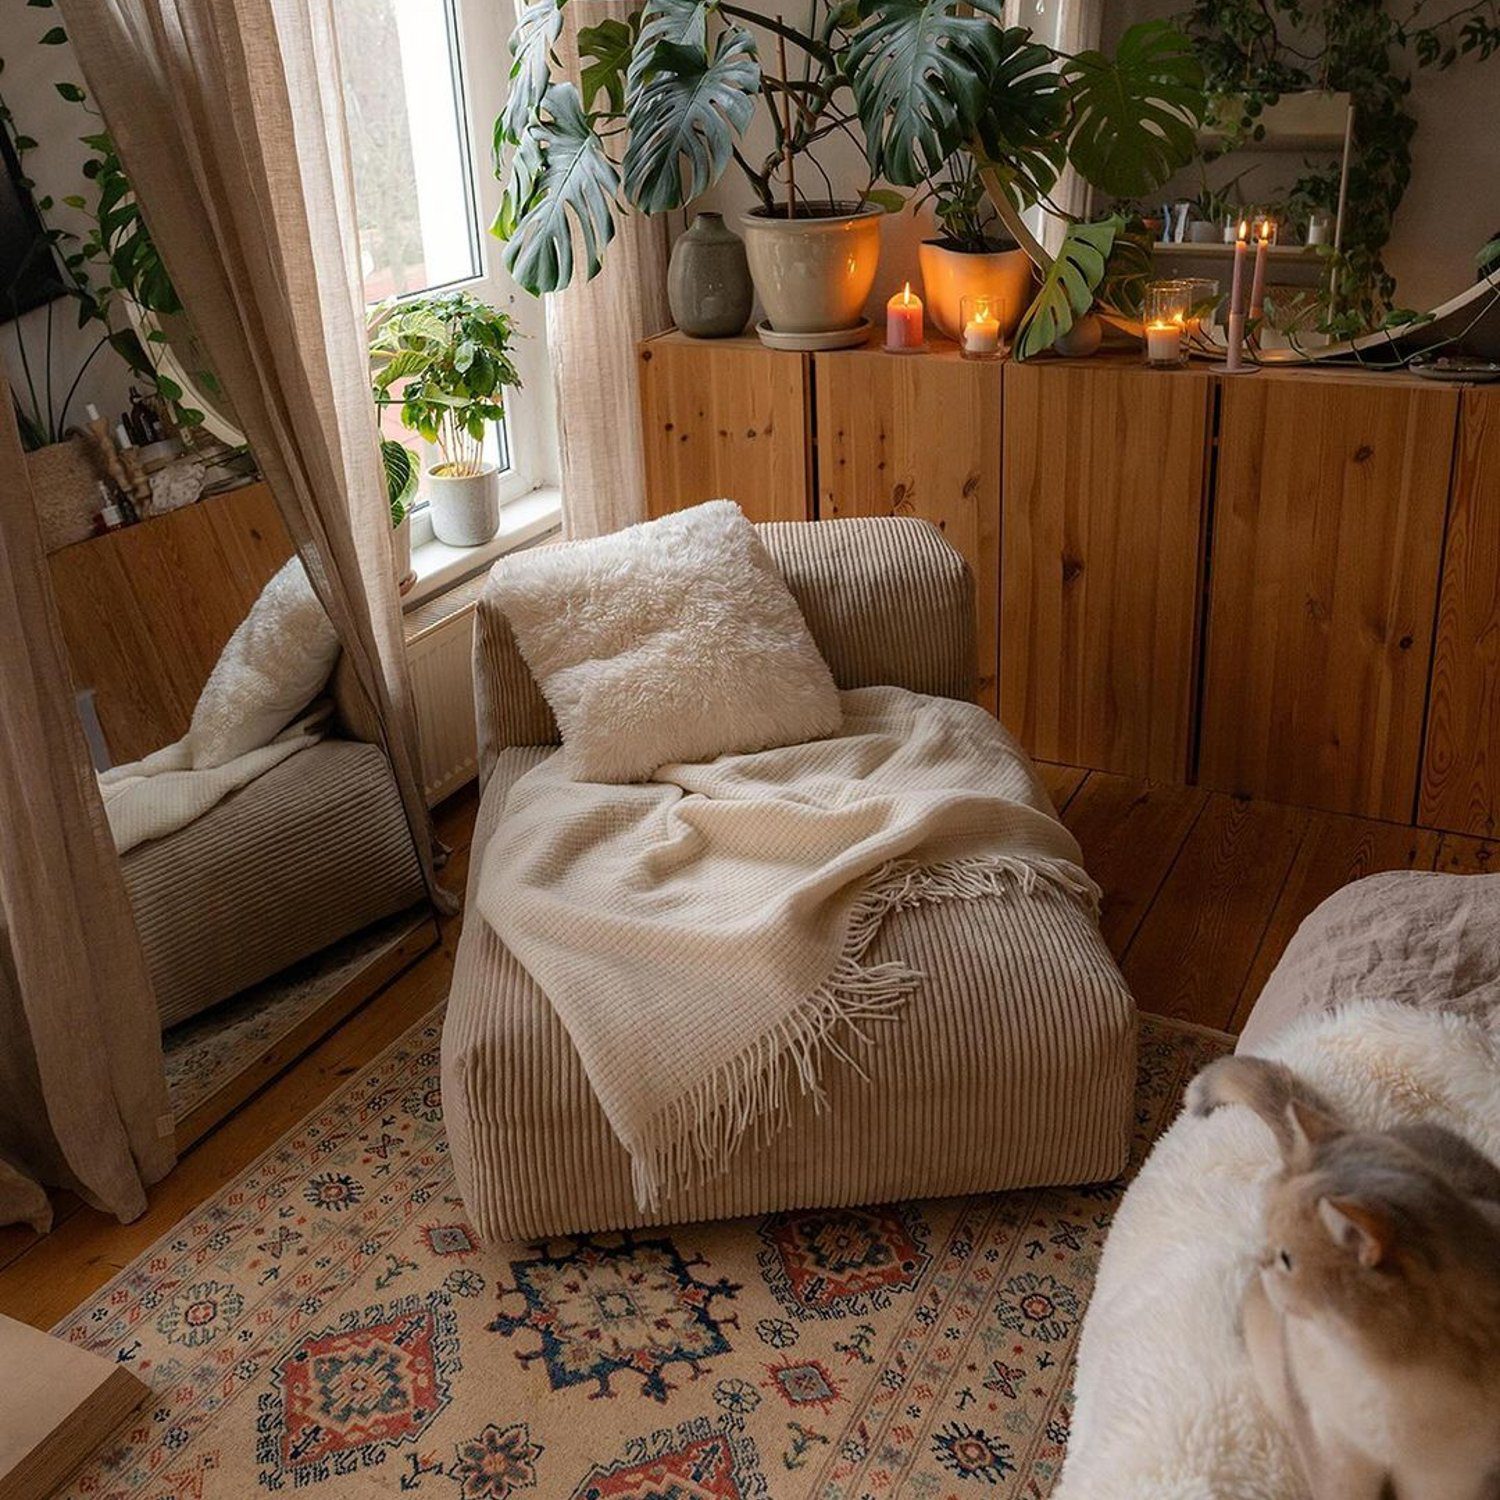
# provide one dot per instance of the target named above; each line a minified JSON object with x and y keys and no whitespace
{"x":684,"y":23}
{"x":531,"y":43}
{"x":687,"y":113}
{"x":561,"y":180}
{"x":1025,"y":109}
{"x":1068,"y":286}
{"x":605,"y":52}
{"x":920,"y":70}
{"x":1135,"y":117}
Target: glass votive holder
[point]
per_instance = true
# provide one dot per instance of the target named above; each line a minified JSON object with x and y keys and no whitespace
{"x":979,"y":324}
{"x":1165,"y":314}
{"x":1202,"y":306}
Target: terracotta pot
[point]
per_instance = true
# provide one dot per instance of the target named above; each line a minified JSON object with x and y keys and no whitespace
{"x":465,"y":507}
{"x":814,"y":272}
{"x":949,"y":275}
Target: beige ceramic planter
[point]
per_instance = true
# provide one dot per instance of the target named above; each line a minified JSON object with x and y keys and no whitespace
{"x":465,"y":507}
{"x":814,"y":274}
{"x":950,"y":275}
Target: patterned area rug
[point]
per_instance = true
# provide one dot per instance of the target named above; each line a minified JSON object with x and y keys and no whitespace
{"x":204,"y":1053}
{"x":329,"y":1320}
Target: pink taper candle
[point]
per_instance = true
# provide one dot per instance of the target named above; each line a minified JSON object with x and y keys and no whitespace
{"x":903,"y":321}
{"x":1236,"y":302}
{"x":1258,"y":283}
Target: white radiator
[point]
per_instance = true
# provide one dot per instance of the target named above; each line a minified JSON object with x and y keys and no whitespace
{"x":440,"y":658}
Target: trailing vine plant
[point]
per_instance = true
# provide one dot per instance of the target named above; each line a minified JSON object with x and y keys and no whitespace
{"x":1253,"y":51}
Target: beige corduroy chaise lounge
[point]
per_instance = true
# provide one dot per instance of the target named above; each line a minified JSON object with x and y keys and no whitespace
{"x":1012,"y":1065}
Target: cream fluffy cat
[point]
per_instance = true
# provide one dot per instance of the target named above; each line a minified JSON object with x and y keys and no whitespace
{"x":1373,"y":1327}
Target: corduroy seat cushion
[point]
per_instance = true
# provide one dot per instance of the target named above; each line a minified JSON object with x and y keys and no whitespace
{"x":1013,"y":1065}
{"x":310,"y":852}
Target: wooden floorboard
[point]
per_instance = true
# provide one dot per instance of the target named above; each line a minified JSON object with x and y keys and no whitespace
{"x":1195,"y":945}
{"x":1062,"y":782}
{"x":1130,"y":833}
{"x":1334,"y":851}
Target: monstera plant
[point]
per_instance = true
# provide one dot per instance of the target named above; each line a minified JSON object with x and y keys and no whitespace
{"x":667,"y":96}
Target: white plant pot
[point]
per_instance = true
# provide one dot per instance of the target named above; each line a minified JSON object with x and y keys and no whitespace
{"x":949,"y":275}
{"x":465,"y":507}
{"x":814,"y":275}
{"x":401,"y":554}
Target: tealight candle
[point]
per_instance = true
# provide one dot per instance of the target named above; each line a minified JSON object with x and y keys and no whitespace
{"x":903,"y":322}
{"x":1164,"y":343}
{"x":981,"y":329}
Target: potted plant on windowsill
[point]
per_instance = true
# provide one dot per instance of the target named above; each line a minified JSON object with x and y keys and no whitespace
{"x":401,"y":477}
{"x":667,"y":95}
{"x":449,"y":355}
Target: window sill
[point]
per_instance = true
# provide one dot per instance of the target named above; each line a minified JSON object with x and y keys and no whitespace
{"x":438,"y":566}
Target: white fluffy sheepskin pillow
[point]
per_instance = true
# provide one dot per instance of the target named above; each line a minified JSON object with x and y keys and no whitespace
{"x":675,"y":640}
{"x":276,"y":662}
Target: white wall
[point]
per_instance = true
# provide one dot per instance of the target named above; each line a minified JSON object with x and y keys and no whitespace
{"x":29,"y":87}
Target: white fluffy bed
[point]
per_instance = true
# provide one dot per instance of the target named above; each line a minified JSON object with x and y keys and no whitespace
{"x":1166,"y":1409}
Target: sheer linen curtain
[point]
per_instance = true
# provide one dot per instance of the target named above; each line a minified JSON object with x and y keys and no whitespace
{"x":83,"y":1096}
{"x":228,"y":116}
{"x":592,"y":331}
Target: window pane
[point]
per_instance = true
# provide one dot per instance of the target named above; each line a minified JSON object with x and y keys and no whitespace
{"x":403,"y":92}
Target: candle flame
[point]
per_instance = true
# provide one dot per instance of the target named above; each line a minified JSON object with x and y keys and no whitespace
{"x":1244,"y":229}
{"x":1265,"y":229}
{"x":906,"y":292}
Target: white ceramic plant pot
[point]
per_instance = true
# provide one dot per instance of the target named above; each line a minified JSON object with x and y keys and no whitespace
{"x":949,"y":275}
{"x":814,"y":274}
{"x":401,"y":554}
{"x":465,"y":507}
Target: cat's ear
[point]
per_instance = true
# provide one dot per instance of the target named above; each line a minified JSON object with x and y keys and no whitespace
{"x":1308,"y":1127}
{"x":1365,"y":1229}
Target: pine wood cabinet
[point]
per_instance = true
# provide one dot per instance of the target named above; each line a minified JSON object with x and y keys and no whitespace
{"x":905,"y":436}
{"x":1103,"y":504}
{"x":1286,"y":585}
{"x":726,"y":418}
{"x":1327,"y":542}
{"x":1461,"y":760}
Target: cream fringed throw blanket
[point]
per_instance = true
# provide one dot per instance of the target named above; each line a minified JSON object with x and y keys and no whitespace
{"x":702,"y":935}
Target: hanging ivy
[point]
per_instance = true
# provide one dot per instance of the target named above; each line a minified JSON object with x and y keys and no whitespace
{"x":1257,"y":50}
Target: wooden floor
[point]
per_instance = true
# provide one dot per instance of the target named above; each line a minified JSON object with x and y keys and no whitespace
{"x":1202,"y":892}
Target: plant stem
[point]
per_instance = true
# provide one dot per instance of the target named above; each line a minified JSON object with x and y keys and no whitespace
{"x":808,"y":44}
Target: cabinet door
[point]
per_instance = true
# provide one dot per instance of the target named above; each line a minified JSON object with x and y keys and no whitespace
{"x":1328,"y":526}
{"x":905,"y":435}
{"x":1461,"y":761}
{"x":725,"y":419}
{"x":1101,"y":548}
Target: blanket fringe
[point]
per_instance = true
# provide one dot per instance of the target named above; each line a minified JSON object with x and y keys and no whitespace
{"x":697,"y":1134}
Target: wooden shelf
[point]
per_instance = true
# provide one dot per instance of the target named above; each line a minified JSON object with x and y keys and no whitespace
{"x":1217,"y":250}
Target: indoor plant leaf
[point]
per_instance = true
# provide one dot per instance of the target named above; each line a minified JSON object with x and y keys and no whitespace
{"x":919,"y":70}
{"x":688,"y":112}
{"x":401,"y":471}
{"x":561,"y":176}
{"x":1068,"y":287}
{"x":1025,"y":109}
{"x":605,"y":51}
{"x":682,"y":22}
{"x":1135,"y":116}
{"x":531,"y":42}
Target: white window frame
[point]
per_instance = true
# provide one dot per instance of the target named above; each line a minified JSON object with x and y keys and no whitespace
{"x":483,"y":31}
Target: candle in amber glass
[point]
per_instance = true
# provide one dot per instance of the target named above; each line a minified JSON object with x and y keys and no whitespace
{"x":903,"y":322}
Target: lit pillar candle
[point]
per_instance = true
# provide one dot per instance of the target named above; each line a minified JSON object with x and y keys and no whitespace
{"x":1258,"y":282}
{"x":903,"y":321}
{"x":1236,"y":301}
